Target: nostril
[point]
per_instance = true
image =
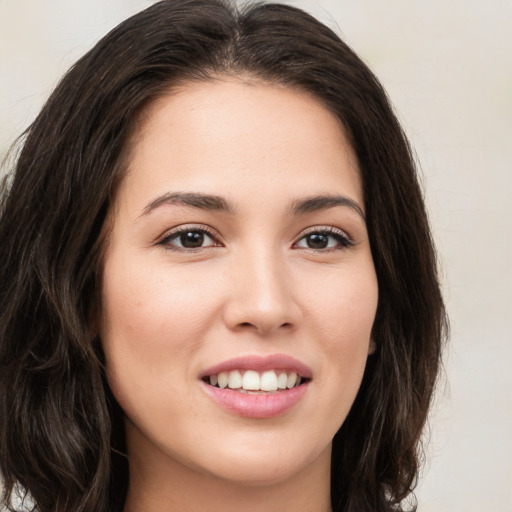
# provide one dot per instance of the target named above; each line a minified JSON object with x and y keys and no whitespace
{"x":262,"y":329}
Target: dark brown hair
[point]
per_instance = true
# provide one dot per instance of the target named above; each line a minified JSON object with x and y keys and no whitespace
{"x":60,"y":429}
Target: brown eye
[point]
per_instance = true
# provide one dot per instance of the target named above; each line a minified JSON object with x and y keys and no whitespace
{"x":330,"y":239}
{"x":317,"y":241}
{"x":188,"y":238}
{"x":192,"y":239}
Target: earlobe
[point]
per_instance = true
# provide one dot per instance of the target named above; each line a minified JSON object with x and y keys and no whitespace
{"x":372,"y":347}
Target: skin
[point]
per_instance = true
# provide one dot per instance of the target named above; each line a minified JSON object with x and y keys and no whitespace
{"x":255,"y":287}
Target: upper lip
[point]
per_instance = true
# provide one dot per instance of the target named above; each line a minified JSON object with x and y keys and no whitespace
{"x":260,"y":363}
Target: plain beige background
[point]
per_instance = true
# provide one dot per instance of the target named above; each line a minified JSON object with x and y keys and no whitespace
{"x":447,"y":66}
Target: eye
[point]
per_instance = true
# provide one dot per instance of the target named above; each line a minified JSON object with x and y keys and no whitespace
{"x":325,"y":239}
{"x":188,"y":238}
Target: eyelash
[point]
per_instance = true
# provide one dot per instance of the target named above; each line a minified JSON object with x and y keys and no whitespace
{"x":342,"y":239}
{"x":176,"y":234}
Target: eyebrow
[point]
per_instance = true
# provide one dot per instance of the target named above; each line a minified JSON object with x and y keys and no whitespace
{"x":196,"y":200}
{"x":323,"y":202}
{"x":220,"y":204}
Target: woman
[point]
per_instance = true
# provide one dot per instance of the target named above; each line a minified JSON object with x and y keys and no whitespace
{"x":218,"y":286}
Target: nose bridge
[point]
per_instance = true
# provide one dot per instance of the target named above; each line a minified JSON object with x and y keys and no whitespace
{"x":262,"y":296}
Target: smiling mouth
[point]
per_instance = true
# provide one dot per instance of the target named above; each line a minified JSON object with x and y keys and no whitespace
{"x":253,"y":382}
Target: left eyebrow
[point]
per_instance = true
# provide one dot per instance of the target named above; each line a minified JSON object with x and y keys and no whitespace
{"x":317,"y":203}
{"x":195,"y":200}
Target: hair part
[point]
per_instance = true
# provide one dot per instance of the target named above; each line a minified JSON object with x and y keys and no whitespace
{"x":61,"y":431}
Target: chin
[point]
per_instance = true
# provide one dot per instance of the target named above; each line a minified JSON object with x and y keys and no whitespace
{"x":261,"y":474}
{"x":257,"y":467}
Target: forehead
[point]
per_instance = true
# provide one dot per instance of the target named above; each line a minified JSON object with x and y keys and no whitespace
{"x":229,"y":137}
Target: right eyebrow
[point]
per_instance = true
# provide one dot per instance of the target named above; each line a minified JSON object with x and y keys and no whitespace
{"x":323,"y":202}
{"x":196,"y":200}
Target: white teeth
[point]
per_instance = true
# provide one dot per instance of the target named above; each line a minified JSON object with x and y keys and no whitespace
{"x":282,"y":380}
{"x":269,"y":381}
{"x":235,"y":379}
{"x":251,"y":380}
{"x":292,"y":380}
{"x":223,"y":379}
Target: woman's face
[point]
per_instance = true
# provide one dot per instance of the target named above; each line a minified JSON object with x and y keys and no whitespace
{"x":239,"y":256}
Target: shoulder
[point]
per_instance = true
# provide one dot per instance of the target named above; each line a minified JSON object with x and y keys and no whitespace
{"x":21,"y":501}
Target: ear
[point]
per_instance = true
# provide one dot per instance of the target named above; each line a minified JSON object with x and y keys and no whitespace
{"x":372,"y":347}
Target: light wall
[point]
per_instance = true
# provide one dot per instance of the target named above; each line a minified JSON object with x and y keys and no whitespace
{"x":447,"y":65}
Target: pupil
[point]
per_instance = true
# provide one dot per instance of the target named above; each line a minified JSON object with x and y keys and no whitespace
{"x":317,"y":241}
{"x":192,"y":239}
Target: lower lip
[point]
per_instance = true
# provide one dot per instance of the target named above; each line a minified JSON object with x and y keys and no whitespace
{"x":256,"y":405}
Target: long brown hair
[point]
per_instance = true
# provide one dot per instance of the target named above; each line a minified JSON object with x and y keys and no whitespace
{"x":61,"y":431}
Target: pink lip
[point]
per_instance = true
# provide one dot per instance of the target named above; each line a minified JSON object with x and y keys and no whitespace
{"x":260,"y":364}
{"x":258,"y":405}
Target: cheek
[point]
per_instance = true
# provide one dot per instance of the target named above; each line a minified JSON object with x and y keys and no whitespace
{"x":344,"y":307}
{"x":152,"y":324}
{"x":152,"y":311}
{"x":344,"y":311}
{"x":341,"y":312}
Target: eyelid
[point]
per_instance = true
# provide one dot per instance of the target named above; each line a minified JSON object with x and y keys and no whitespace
{"x":178,"y":230}
{"x":347,"y":240}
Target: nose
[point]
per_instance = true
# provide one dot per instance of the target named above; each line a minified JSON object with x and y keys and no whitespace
{"x":262,"y":297}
